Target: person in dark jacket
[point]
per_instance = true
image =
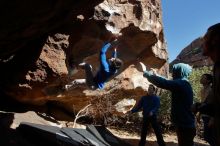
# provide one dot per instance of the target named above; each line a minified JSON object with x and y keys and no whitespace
{"x":150,"y":105}
{"x":211,"y":48}
{"x":181,"y":102}
{"x":207,"y":98}
{"x":108,"y":68}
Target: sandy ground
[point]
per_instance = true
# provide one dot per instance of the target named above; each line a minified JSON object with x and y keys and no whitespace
{"x":169,"y":138}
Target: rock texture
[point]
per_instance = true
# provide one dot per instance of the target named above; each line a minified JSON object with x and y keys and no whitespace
{"x":192,"y":54}
{"x":40,"y":39}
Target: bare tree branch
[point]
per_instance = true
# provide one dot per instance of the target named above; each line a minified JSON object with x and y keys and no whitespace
{"x":79,"y":116}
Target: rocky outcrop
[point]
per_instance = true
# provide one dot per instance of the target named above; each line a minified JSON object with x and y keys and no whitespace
{"x":40,"y":39}
{"x":192,"y":54}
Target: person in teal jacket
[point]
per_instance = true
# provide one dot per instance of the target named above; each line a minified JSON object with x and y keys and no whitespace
{"x":181,"y":102}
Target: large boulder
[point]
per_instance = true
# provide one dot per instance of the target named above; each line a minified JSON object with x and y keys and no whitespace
{"x":39,"y":40}
{"x":192,"y":55}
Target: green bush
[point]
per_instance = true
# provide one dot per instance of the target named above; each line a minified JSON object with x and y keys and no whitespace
{"x":165,"y":109}
{"x":165,"y":104}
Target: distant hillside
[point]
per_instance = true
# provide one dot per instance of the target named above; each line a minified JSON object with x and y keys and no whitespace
{"x":192,"y":54}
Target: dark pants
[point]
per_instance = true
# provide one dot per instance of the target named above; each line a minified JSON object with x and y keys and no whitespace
{"x":208,"y":132}
{"x":185,"y":136}
{"x":153,"y":121}
{"x":89,"y":78}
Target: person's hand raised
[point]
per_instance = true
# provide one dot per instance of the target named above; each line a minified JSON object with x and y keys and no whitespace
{"x":153,"y":71}
{"x":114,"y":43}
{"x":143,"y":67}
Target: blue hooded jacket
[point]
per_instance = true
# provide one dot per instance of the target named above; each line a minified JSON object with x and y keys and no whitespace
{"x":182,"y":94}
{"x":105,"y":72}
{"x":149,"y":103}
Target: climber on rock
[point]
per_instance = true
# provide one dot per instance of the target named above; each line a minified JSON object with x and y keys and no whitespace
{"x":108,"y":68}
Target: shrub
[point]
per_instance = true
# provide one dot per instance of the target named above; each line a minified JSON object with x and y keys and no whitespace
{"x":165,"y":109}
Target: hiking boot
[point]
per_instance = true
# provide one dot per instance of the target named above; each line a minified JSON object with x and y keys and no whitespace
{"x":67,"y":87}
{"x":82,"y":65}
{"x":86,"y":66}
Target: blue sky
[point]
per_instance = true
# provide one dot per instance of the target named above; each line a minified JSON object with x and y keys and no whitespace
{"x":186,"y":20}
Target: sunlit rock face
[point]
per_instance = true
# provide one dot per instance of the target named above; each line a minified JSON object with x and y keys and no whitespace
{"x":40,"y":39}
{"x":192,"y":55}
